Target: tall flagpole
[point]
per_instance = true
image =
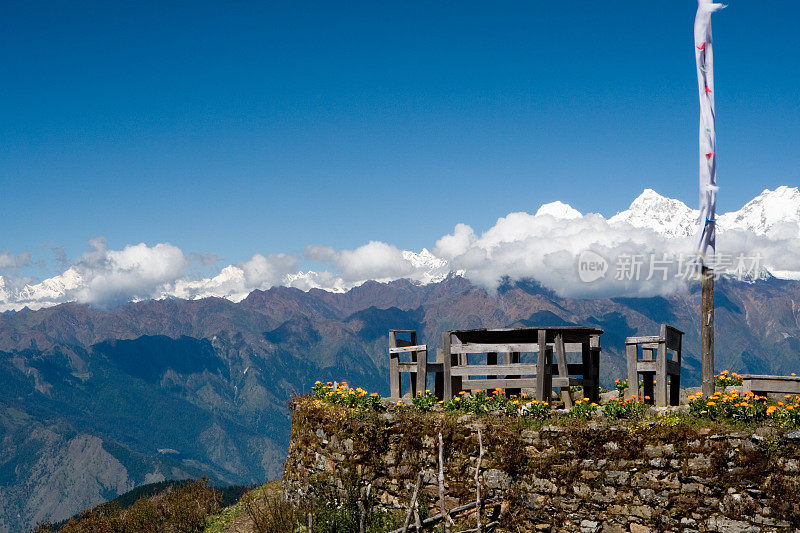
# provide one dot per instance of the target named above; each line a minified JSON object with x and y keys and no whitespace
{"x":706,"y":243}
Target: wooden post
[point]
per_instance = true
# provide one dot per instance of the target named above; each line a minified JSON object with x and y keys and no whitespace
{"x":561,"y":360}
{"x":660,"y":399}
{"x":394,"y":369}
{"x":510,"y":358}
{"x":447,"y":359}
{"x":594,"y":350}
{"x":541,"y":366}
{"x":632,"y":356}
{"x":414,"y":380}
{"x":438,"y":383}
{"x":707,"y":331}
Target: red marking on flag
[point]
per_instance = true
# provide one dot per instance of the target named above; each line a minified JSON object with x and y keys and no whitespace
{"x":701,"y":46}
{"x":708,"y":90}
{"x":709,"y":154}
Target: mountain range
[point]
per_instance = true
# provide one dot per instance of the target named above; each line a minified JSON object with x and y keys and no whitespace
{"x":97,"y":401}
{"x":768,"y":225}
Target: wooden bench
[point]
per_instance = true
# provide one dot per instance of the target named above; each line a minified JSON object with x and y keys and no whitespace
{"x":762,"y":384}
{"x":546,"y":342}
{"x":648,"y":357}
{"x":417,"y":367}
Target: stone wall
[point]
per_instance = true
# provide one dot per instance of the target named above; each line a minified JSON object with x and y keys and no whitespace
{"x":665,"y":474}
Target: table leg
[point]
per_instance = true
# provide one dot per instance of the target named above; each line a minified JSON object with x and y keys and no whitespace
{"x":563,"y":372}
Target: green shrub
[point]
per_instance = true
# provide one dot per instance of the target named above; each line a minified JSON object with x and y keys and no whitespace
{"x":725,"y":379}
{"x":343,"y":395}
{"x":582,"y":409}
{"x":176,"y":510}
{"x":629,"y":408}
{"x":424,"y":401}
{"x":621,"y":385}
{"x":481,"y":402}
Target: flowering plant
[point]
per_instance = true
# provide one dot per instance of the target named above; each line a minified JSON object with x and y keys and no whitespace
{"x":627,"y":408}
{"x":342,"y":394}
{"x":726,"y":379}
{"x":621,"y":385}
{"x":583,"y":408}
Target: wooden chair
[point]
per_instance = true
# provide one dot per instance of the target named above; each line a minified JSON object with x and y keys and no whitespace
{"x":418,"y":367}
{"x":648,"y":357}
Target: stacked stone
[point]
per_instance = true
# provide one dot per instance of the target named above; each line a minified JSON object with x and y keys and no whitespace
{"x":588,"y":476}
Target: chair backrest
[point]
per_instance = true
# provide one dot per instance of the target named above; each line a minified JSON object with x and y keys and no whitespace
{"x":672,"y":338}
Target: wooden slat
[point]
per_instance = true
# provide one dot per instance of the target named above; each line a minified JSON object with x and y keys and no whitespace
{"x":570,"y":382}
{"x":407,"y":367}
{"x":646,"y":366}
{"x":491,"y":384}
{"x":414,"y":348}
{"x":640,"y":340}
{"x":532,"y":347}
{"x":769,"y":377}
{"x":772,"y":385}
{"x":500,"y":370}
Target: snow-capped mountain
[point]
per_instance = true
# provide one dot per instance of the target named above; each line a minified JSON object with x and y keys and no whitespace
{"x":768,"y":211}
{"x":559,"y":210}
{"x":543,"y":246}
{"x":52,"y":289}
{"x":666,"y":216}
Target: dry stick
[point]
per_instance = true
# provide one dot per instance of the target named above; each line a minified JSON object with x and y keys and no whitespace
{"x":362,"y":507}
{"x":417,"y":519}
{"x":478,"y":482}
{"x":447,"y":519}
{"x":412,"y":504}
{"x":433,"y":520}
{"x":310,"y":523}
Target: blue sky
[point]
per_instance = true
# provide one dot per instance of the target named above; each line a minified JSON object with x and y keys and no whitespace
{"x":239,"y":128}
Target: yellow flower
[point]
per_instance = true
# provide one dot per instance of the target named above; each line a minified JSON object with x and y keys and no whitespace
{"x":789,"y":407}
{"x":399,"y":403}
{"x":771,"y":409}
{"x":594,"y":404}
{"x":712,"y":403}
{"x":794,"y":374}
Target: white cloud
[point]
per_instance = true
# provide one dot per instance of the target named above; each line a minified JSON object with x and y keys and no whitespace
{"x":545,"y":247}
{"x":10,"y":261}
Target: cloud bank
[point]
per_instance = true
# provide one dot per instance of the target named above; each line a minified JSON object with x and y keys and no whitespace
{"x":643,"y":251}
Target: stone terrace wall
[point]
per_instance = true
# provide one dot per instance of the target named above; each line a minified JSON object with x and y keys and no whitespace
{"x":668,"y":475}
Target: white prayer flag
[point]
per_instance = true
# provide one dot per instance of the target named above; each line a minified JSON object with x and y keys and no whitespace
{"x":704,"y":57}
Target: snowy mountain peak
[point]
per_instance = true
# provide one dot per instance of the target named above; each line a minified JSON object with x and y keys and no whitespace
{"x":769,"y":211}
{"x":559,"y":210}
{"x":663,"y":215}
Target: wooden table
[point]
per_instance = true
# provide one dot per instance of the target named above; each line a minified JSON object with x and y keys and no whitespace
{"x":511,"y":343}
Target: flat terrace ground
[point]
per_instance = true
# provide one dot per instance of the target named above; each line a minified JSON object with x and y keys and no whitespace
{"x":678,"y":469}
